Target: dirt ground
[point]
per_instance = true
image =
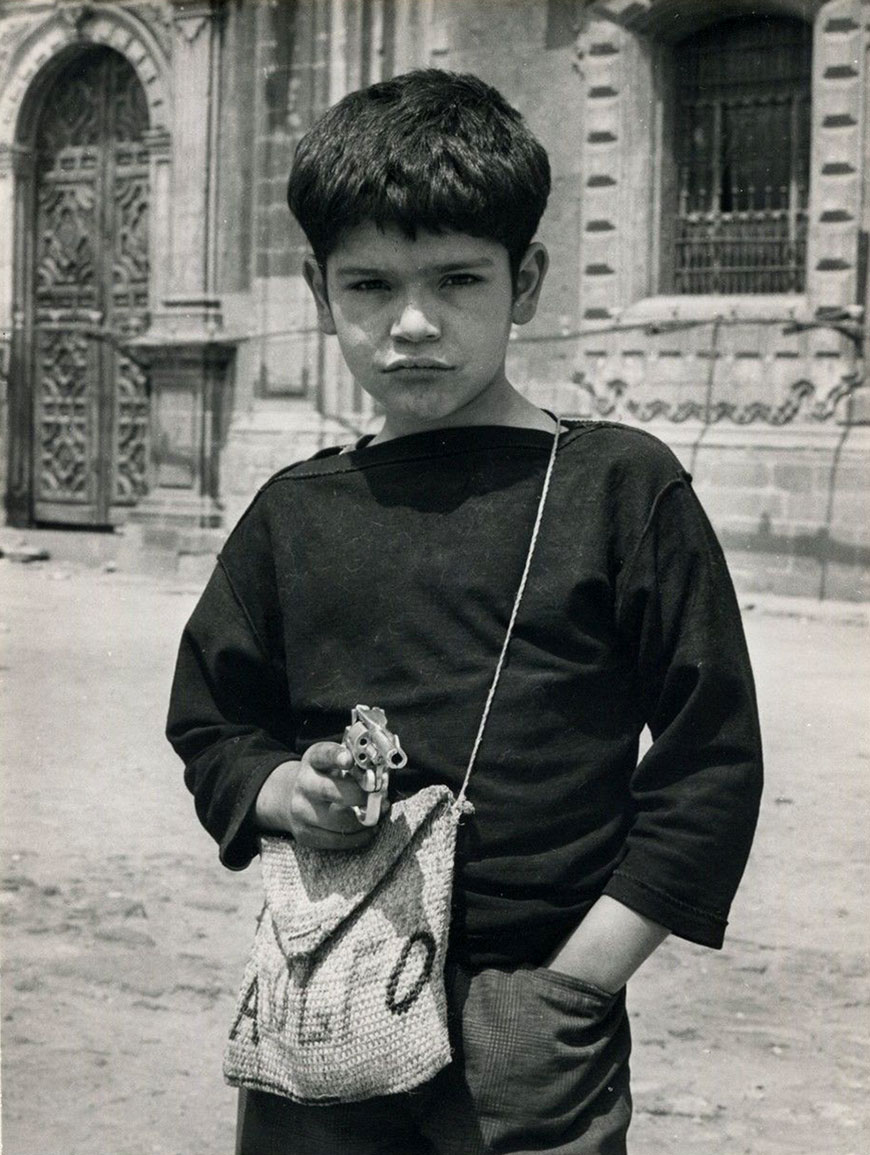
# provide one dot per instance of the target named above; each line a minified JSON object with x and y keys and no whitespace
{"x":123,"y":938}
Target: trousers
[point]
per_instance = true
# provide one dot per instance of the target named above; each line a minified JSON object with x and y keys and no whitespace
{"x":540,"y":1064}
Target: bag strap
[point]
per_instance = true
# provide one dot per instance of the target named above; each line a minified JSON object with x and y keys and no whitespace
{"x":460,"y":801}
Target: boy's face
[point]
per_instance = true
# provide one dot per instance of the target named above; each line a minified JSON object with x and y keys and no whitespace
{"x":423,"y":324}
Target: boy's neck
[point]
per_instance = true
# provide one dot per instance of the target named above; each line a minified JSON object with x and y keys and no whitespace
{"x":508,"y":407}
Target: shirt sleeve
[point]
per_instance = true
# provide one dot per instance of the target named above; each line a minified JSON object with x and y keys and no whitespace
{"x":229,"y":713}
{"x":696,"y":792}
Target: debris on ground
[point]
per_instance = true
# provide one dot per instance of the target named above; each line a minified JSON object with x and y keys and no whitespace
{"x":25,"y":552}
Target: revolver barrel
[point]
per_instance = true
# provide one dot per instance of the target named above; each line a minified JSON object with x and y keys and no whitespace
{"x":376,"y":750}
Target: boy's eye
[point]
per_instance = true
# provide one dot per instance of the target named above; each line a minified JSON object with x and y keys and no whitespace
{"x":371,"y":284}
{"x":455,"y":279}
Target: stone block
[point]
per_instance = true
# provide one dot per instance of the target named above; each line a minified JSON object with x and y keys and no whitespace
{"x":277,"y":219}
{"x":833,"y":288}
{"x":275,"y":158}
{"x":746,"y":473}
{"x":782,"y":373}
{"x":801,"y":579}
{"x":762,"y":505}
{"x":839,"y":249}
{"x":840,"y":145}
{"x":794,"y":477}
{"x":598,"y":293}
{"x":806,"y":510}
{"x":738,"y":532}
{"x":847,"y":582}
{"x":273,"y":191}
{"x":851,"y":525}
{"x":276,"y":263}
{"x":851,"y":532}
{"x":853,"y":478}
{"x":760,"y":572}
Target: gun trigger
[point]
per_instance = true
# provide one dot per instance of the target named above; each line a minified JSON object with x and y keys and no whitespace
{"x":372,"y":812}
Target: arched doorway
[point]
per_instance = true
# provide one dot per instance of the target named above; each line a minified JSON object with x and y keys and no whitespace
{"x":89,"y":290}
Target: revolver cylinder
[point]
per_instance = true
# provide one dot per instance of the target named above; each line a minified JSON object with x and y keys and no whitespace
{"x":376,"y":751}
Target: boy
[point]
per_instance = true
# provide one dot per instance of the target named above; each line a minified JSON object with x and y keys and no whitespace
{"x":386,"y":574}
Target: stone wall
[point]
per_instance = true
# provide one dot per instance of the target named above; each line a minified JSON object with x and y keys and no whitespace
{"x":763,"y":398}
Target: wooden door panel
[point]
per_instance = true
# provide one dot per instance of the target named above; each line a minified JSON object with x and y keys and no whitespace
{"x":66,"y":368}
{"x":128,"y":311}
{"x":66,"y":422}
{"x":90,"y":400}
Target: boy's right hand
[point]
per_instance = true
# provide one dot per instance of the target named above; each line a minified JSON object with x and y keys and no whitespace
{"x":312,"y":800}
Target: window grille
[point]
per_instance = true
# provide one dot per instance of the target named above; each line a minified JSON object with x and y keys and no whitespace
{"x":743,"y":142}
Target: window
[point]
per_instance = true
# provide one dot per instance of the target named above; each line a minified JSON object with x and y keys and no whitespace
{"x":742,"y":147}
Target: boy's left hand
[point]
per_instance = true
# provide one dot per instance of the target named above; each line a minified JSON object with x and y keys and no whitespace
{"x":608,"y":946}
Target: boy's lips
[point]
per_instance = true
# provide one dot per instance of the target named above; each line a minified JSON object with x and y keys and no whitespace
{"x":415,"y":364}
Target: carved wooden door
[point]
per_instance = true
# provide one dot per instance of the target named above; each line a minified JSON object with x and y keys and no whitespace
{"x":90,"y":290}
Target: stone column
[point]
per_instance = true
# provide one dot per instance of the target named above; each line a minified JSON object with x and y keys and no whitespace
{"x":7,"y":215}
{"x":185,"y":349}
{"x":837,"y":178}
{"x":837,"y":256}
{"x":7,"y":235}
{"x":16,"y":182}
{"x":159,"y":144}
{"x":861,"y":412}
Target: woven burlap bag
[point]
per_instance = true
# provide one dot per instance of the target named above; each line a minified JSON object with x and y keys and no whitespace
{"x":343,"y":994}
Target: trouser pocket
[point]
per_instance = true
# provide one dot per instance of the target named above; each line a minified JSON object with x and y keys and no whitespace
{"x":546,"y":1062}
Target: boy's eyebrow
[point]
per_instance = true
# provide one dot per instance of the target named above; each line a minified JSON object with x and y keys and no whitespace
{"x":447,"y":267}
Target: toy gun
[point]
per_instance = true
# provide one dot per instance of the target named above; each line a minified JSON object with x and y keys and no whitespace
{"x":376,"y":751}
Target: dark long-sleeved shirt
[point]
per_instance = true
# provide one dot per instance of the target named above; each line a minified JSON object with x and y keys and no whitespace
{"x":386,"y":575}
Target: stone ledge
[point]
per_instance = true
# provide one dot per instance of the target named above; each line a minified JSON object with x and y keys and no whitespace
{"x":740,"y":307}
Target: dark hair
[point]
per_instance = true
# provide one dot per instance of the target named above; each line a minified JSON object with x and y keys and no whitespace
{"x":430,"y":150}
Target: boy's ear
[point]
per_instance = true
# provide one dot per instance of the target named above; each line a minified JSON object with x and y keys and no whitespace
{"x":529,"y":282}
{"x":315,"y":278}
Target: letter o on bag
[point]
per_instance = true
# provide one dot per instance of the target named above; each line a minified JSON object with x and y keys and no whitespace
{"x":420,"y":966}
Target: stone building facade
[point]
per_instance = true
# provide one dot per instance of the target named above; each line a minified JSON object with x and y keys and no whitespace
{"x":708,"y":230}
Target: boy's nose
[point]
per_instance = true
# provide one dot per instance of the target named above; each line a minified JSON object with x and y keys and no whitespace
{"x":414,"y":324}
